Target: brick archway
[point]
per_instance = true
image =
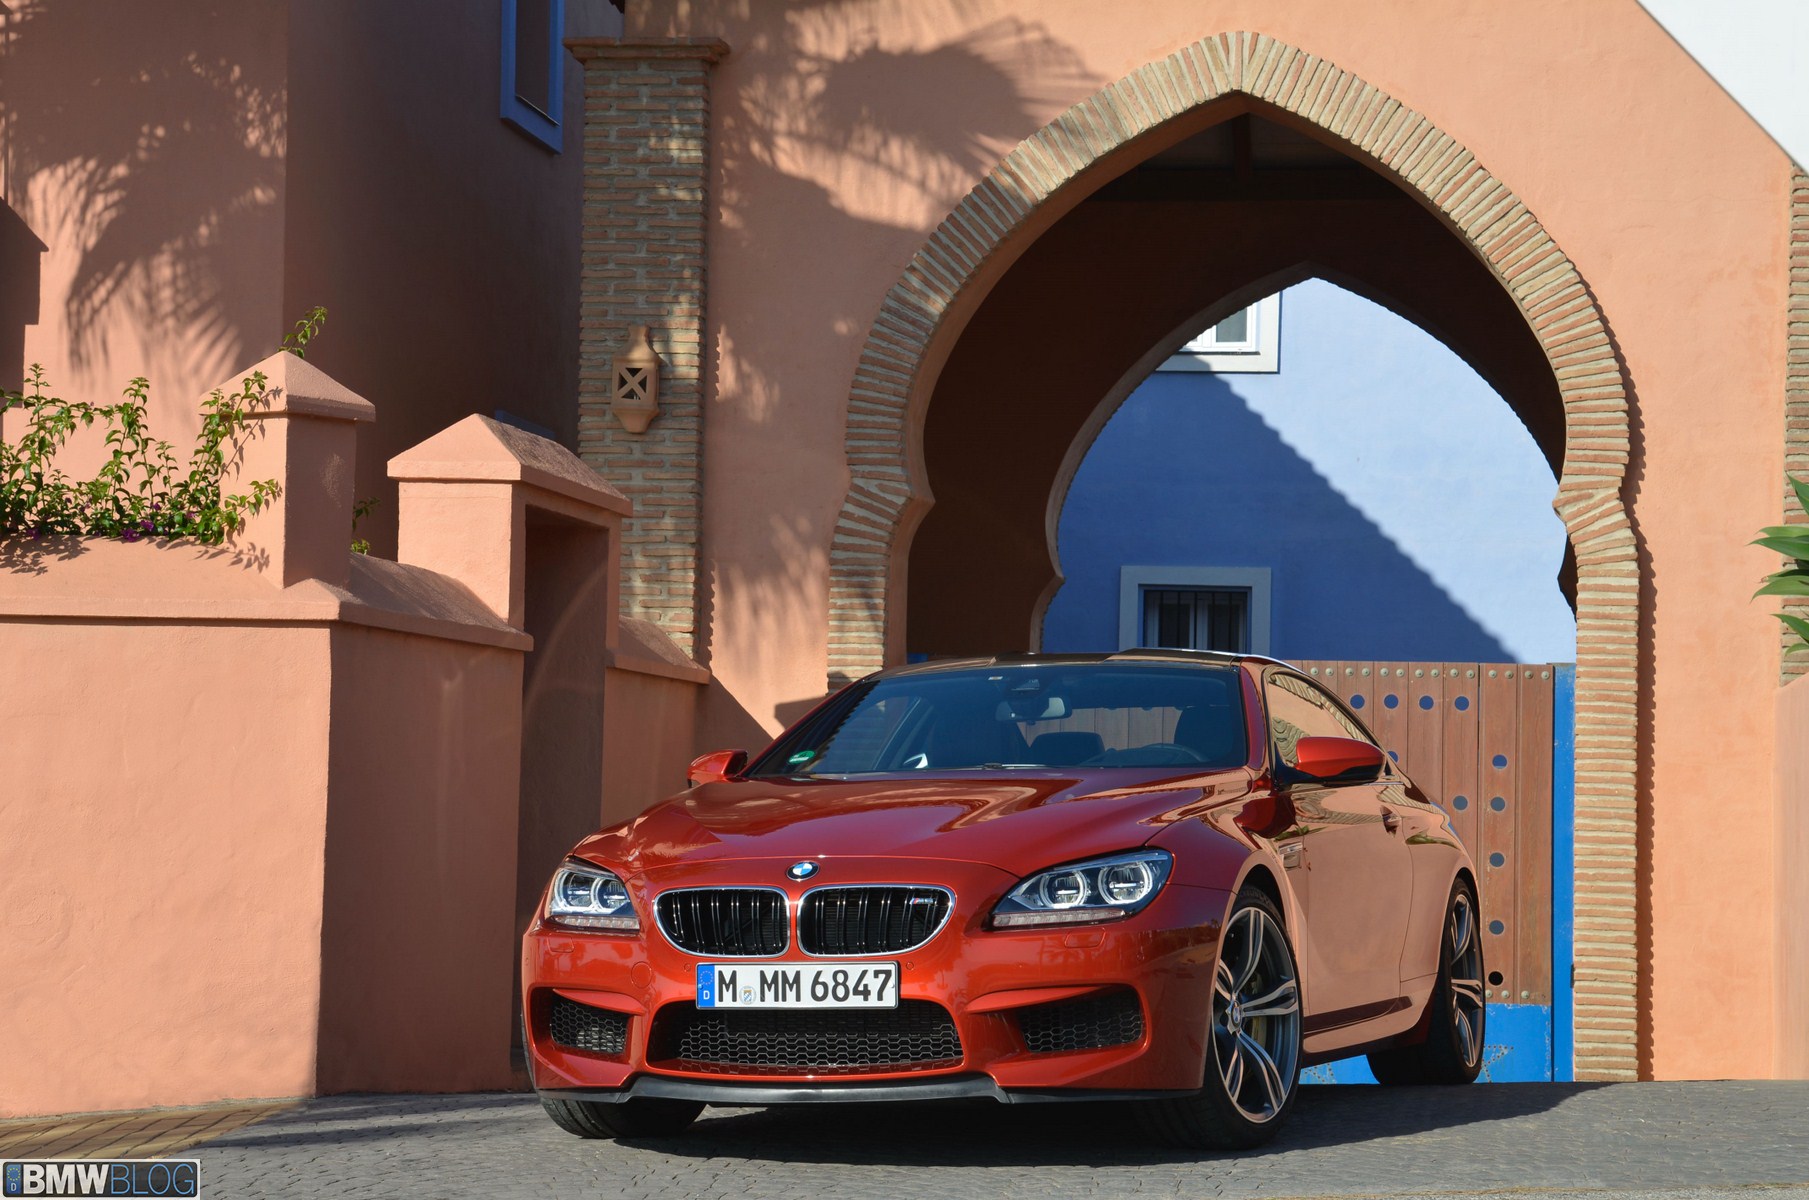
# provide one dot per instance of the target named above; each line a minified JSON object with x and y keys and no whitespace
{"x":924,"y":311}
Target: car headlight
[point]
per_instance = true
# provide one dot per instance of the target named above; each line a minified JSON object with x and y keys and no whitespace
{"x":590,"y":897}
{"x":1100,"y":889}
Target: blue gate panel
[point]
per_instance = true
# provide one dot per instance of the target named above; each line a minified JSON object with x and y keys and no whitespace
{"x":1563,"y":868}
{"x":1518,"y":1050}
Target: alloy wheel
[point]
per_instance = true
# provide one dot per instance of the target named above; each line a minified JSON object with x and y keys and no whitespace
{"x":1466,"y":978}
{"x":1256,"y":1015}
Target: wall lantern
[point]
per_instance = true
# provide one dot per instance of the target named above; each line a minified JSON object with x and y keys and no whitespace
{"x":635,"y":395}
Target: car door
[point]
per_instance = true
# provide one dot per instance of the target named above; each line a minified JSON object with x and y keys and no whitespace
{"x":1351,"y":869}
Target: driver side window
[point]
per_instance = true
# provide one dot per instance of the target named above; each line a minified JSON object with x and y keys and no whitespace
{"x":1297,"y":709}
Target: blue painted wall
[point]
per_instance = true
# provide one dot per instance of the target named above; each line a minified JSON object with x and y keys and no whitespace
{"x":1404,"y":511}
{"x":1517,"y":1048}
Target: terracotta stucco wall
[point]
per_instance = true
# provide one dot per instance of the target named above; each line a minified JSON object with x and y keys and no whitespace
{"x":234,"y":164}
{"x":418,"y":939}
{"x":163,"y":808}
{"x":647,"y":741}
{"x":266,"y":834}
{"x":1790,"y":852}
{"x":844,"y":133}
{"x":443,"y":242}
{"x":157,"y":187}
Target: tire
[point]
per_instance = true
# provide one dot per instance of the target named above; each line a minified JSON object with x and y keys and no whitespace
{"x":1456,"y":1013}
{"x":1252,"y":1043}
{"x":627,"y":1119}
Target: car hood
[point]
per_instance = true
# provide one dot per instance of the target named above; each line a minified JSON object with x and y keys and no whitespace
{"x":1018,"y":823}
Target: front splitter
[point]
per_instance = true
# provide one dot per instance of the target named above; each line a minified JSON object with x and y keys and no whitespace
{"x":760,"y":1095}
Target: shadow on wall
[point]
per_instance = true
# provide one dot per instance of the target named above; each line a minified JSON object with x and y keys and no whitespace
{"x":444,"y":242}
{"x":20,"y":250}
{"x":152,"y":137}
{"x":1165,"y":485}
{"x":792,"y":99}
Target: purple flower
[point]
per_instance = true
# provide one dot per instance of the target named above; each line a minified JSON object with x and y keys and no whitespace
{"x":128,"y":535}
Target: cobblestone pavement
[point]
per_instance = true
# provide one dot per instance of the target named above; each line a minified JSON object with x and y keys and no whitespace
{"x":1547,"y":1140}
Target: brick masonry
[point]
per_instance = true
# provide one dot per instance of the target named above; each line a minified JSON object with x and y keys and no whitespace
{"x":646,"y":164}
{"x":881,"y":501}
{"x":143,"y":1133}
{"x":1796,"y":391}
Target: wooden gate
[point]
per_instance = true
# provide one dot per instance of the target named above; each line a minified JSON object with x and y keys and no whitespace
{"x":1480,"y":738}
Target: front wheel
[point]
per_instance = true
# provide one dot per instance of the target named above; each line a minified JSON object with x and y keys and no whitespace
{"x":628,"y":1119}
{"x":1456,"y":1014}
{"x":1253,"y":1043}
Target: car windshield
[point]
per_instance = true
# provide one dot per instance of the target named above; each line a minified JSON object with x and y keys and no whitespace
{"x":1029,"y":717}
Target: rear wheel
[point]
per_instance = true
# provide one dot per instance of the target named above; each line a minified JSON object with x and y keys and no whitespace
{"x":1457,"y":1012}
{"x":628,"y":1119}
{"x":1253,"y":1047}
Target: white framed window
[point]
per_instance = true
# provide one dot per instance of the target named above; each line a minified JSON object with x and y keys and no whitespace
{"x":1194,"y":608}
{"x":533,"y":68}
{"x":1247,"y":341}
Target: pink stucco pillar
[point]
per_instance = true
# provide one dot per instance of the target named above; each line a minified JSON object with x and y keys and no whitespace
{"x":465,"y":498}
{"x":303,"y":434}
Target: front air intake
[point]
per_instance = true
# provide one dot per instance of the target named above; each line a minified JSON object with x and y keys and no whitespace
{"x":1110,"y":1018}
{"x":918,"y":1035}
{"x":576,"y":1026}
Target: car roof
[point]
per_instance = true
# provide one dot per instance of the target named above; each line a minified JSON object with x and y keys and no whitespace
{"x":1203,"y":658}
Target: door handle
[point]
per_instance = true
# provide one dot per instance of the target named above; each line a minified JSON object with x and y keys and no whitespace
{"x":1391,"y":820}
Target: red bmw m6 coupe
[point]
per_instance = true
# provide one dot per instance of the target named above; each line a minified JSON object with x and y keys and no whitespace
{"x":1168,"y":878}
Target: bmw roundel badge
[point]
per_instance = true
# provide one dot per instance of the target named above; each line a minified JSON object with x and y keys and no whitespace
{"x":802,"y":870}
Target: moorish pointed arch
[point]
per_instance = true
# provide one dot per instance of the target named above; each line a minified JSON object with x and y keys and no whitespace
{"x":924,"y":310}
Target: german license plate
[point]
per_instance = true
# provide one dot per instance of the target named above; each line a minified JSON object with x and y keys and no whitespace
{"x":797,"y":985}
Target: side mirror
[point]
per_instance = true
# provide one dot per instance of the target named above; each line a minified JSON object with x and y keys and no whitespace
{"x":718,"y":766}
{"x":1345,"y":760}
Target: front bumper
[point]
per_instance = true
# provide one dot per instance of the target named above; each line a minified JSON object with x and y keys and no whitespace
{"x":985,"y":979}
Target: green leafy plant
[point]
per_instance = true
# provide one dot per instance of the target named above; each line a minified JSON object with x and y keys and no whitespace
{"x":1792,"y":541}
{"x":141,"y":490}
{"x":296,"y":341}
{"x":360,"y":510}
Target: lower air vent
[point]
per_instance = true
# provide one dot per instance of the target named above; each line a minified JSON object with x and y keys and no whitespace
{"x":917,"y":1035}
{"x":580,"y":1027}
{"x":1092,"y":1022}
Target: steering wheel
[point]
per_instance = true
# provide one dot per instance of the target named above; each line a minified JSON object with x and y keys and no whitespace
{"x":1154,"y":754}
{"x":1188,"y":753}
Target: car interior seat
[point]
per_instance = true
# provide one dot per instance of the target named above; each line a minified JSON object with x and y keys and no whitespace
{"x":1212,"y":731}
{"x":959,"y":738}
